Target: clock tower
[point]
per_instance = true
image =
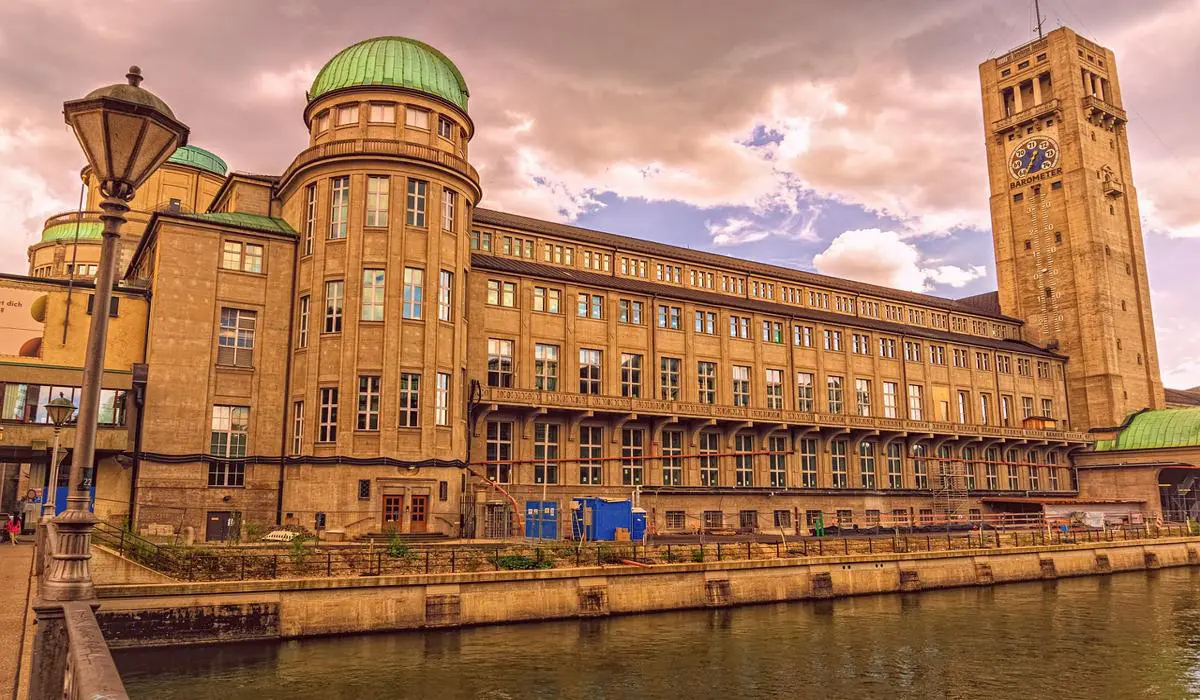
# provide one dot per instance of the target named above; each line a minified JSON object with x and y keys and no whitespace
{"x":1069,"y":256}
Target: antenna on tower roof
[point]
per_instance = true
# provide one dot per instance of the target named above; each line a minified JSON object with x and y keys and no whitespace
{"x":1037,"y":11}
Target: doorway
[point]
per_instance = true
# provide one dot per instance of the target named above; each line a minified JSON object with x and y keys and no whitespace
{"x":419,"y":514}
{"x":393,"y":512}
{"x":222,"y":525}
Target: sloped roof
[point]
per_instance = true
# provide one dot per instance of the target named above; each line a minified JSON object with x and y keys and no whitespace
{"x":1168,"y":427}
{"x":1183,"y":397}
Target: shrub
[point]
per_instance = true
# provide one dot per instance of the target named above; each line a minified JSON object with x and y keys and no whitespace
{"x":519,"y":562}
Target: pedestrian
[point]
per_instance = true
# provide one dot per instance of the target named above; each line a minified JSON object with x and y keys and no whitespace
{"x":13,"y":527}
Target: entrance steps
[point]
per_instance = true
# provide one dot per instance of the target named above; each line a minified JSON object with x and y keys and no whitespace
{"x":405,"y":537}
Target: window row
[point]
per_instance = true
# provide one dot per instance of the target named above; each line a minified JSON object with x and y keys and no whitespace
{"x":26,"y":403}
{"x":869,"y":465}
{"x":377,"y":209}
{"x":366,"y":406}
{"x":371,"y":301}
{"x":838,"y":396}
{"x":383,"y":113}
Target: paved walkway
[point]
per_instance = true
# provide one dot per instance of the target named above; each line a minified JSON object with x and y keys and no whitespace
{"x":16,"y":564}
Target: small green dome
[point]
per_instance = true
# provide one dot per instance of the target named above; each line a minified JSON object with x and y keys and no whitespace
{"x":88,"y":231}
{"x":393,"y":61}
{"x":199,"y":158}
{"x":1166,"y":427}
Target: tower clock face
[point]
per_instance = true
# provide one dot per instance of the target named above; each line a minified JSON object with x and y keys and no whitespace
{"x":1033,"y":155}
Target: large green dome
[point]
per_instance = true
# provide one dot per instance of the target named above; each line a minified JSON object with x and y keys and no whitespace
{"x":198,"y":158}
{"x":393,"y":61}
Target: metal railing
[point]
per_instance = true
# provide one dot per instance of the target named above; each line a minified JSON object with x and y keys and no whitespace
{"x":306,"y":560}
{"x":78,"y":662}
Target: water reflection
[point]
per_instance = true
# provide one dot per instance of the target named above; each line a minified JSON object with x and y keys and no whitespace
{"x":1126,"y":636}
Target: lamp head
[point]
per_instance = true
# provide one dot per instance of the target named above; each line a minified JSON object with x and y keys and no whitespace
{"x":60,"y":410}
{"x":126,"y":132}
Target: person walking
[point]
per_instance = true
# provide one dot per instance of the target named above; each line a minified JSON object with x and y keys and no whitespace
{"x":13,"y":528}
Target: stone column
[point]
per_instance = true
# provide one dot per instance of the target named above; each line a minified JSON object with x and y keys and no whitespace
{"x":1037,"y":90}
{"x":1017,"y":106}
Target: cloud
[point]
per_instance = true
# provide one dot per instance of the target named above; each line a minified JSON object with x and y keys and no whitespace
{"x":885,"y":258}
{"x":735,"y":232}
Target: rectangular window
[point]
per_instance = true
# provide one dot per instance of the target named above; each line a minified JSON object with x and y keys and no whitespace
{"x":669,"y":375}
{"x":1047,"y":408}
{"x":328,"y":417}
{"x":377,"y":200}
{"x":706,"y":322}
{"x":372,"y":295}
{"x":545,"y":367}
{"x":410,"y":400}
{"x":672,"y":453}
{"x":916,"y":402}
{"x":382,"y":114}
{"x":937,"y":354}
{"x":706,"y":381}
{"x":591,"y":443}
{"x":364,"y":489}
{"x":1006,"y":411}
{"x":441,"y":406}
{"x":347,"y":115}
{"x":297,"y":427}
{"x":860,"y":344}
{"x":802,"y":336}
{"x":743,"y":459}
{"x":741,"y":385}
{"x":985,"y":409}
{"x":833,"y":340}
{"x":230,"y":428}
{"x":670,"y":317}
{"x":991,"y":478}
{"x":895,"y":465}
{"x":862,"y":396}
{"x":413,"y":299}
{"x":631,"y":375}
{"x":445,"y":128}
{"x":739,"y":327}
{"x":920,"y":467}
{"x":714,"y":520}
{"x":1026,"y":406}
{"x":235,"y":344}
{"x":805,"y":392}
{"x":310,"y":217}
{"x":589,"y":305}
{"x":774,"y":385}
{"x":629,"y":312}
{"x":983,"y":361}
{"x":545,"y":453}
{"x":416,"y":118}
{"x":589,"y":371}
{"x":1024,"y":367}
{"x":449,"y":210}
{"x":808,"y":463}
{"x":783,"y":518}
{"x":887,"y":347}
{"x":445,"y":295}
{"x":632,"y":450}
{"x":339,"y":207}
{"x":834,"y":393}
{"x":499,"y":451}
{"x":964,"y":411}
{"x":777,"y":445}
{"x":890,"y":389}
{"x":368,"y":403}
{"x":837,"y":464}
{"x":866,"y":464}
{"x":1032,"y":470}
{"x":912,"y":351}
{"x":500,"y":362}
{"x":709,"y":459}
{"x":414,"y":207}
{"x":968,"y":458}
{"x":501,"y":293}
{"x":302,"y":323}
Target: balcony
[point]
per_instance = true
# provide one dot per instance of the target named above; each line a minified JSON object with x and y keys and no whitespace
{"x":527,"y":398}
{"x":1027,"y":116}
{"x":380,"y":147}
{"x":1103,"y":114}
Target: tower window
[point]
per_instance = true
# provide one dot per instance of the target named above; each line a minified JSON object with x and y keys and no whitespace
{"x":1018,"y":197}
{"x":1041,"y":57}
{"x":1111,"y":210}
{"x":1022,"y":64}
{"x":1139,"y":358}
{"x":1049,"y":122}
{"x":1107,"y":250}
{"x":1122,"y":304}
{"x":1118,"y":343}
{"x":1029,"y":130}
{"x":1050,"y":293}
{"x":1128,"y":269}
{"x":1057,"y":238}
{"x":1093,"y":136}
{"x":1056,"y":185}
{"x":1028,"y":244}
{"x":1006,"y":72}
{"x":1011,"y":136}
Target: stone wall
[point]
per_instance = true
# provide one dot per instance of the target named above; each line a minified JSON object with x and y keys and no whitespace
{"x":191,"y":613}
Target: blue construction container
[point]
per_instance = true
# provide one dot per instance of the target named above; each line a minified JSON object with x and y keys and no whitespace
{"x":597,"y":519}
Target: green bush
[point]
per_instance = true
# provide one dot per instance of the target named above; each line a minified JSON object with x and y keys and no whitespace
{"x":698,"y":555}
{"x":396,"y":548}
{"x":519,"y":562}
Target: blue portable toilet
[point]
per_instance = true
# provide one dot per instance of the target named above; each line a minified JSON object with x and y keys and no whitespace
{"x":638,"y":532}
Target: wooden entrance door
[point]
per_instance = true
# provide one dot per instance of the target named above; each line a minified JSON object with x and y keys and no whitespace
{"x":393,"y":512}
{"x":419,"y":513}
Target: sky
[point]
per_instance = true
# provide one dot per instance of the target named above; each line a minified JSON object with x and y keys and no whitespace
{"x":844,"y":138}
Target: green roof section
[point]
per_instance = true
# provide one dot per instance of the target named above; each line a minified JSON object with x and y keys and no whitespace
{"x":88,"y":231}
{"x":199,"y":158}
{"x":257,"y":222}
{"x":1148,"y":430}
{"x":393,"y":61}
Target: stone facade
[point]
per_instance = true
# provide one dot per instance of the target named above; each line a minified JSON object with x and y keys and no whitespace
{"x":353,"y":346}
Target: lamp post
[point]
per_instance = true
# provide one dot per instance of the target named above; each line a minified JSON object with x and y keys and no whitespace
{"x":59,"y":411}
{"x":126,"y":132}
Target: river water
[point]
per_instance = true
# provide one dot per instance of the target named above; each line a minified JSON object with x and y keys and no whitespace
{"x":1133,"y":635}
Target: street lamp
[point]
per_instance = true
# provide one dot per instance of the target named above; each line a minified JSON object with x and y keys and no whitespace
{"x":59,"y":411}
{"x":126,"y":132}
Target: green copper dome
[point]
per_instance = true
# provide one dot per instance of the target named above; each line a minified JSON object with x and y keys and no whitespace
{"x":88,"y":231}
{"x":199,"y":158}
{"x":393,"y":61}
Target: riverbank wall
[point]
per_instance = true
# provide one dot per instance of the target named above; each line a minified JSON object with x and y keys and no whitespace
{"x":177,"y":614}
